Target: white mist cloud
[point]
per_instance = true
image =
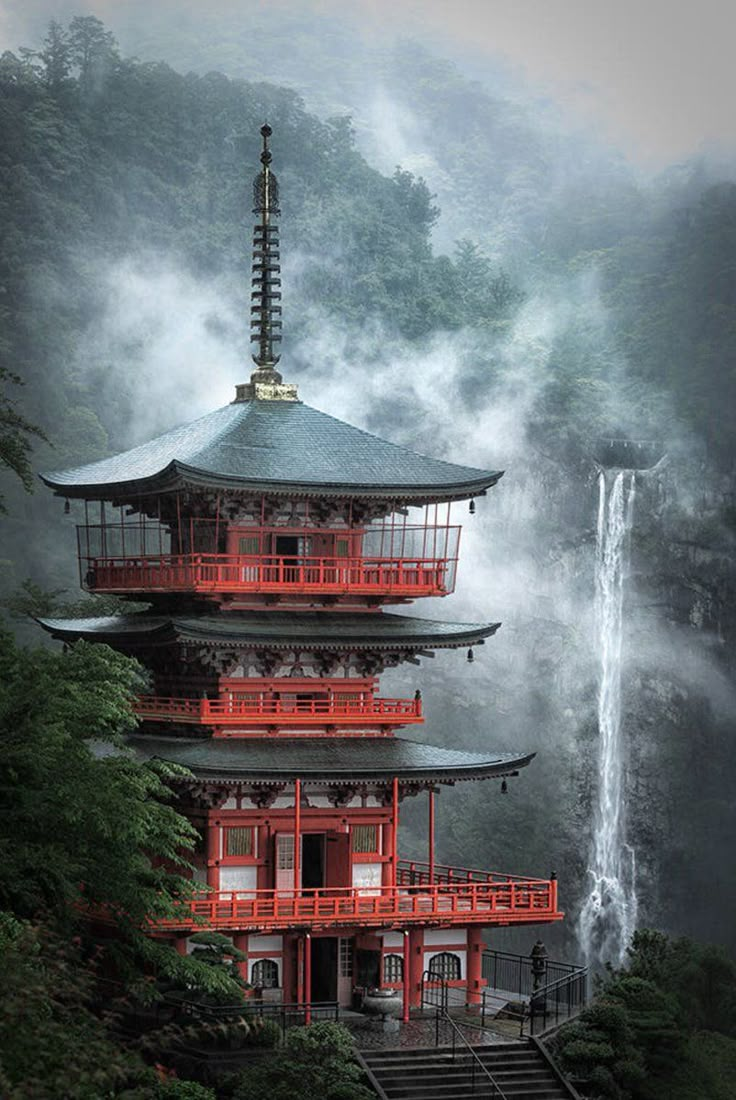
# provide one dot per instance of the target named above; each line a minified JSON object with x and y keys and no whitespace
{"x":174,"y":344}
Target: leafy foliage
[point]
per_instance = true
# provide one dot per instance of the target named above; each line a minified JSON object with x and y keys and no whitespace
{"x":640,"y":1038}
{"x":315,"y":1063}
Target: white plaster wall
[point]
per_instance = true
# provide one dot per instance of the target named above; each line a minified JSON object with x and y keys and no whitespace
{"x":367,"y":877}
{"x":393,"y":940}
{"x":238,"y":879}
{"x":440,"y":936}
{"x":265,"y":943}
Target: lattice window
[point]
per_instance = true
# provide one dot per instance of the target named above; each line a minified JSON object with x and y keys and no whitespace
{"x":240,"y":841}
{"x":393,"y":969}
{"x":342,"y":548}
{"x":446,"y":966}
{"x":346,"y":958}
{"x":285,"y":853}
{"x":265,"y":974}
{"x":365,"y":838}
{"x":249,"y":545}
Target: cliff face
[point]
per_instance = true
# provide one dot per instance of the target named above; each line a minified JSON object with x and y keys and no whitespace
{"x":535,"y":685}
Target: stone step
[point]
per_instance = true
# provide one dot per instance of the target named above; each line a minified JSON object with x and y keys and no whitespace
{"x":429,"y":1073}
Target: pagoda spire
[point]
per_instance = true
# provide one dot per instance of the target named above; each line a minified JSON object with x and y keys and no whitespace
{"x":266,"y":283}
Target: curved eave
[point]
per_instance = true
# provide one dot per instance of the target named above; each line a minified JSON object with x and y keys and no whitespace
{"x":277,"y":630}
{"x":332,"y":761}
{"x":178,"y":475}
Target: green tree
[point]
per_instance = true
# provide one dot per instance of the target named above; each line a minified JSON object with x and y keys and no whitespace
{"x":315,"y":1063}
{"x":79,"y":810}
{"x":16,"y":434}
{"x":56,"y":56}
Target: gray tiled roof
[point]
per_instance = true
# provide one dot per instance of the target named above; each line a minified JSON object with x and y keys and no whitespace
{"x":331,"y":758}
{"x":278,"y":629}
{"x":273,"y":445}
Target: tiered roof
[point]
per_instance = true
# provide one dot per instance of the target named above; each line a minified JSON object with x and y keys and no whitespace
{"x":277,"y":446}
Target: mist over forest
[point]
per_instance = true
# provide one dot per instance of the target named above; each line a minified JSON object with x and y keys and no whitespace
{"x":466,"y":273}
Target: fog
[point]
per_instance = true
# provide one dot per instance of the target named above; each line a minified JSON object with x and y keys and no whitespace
{"x":171,"y":343}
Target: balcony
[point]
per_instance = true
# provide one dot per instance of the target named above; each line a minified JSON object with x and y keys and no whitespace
{"x":388,"y":560}
{"x":266,"y":710}
{"x":455,"y":897}
{"x":225,"y":573}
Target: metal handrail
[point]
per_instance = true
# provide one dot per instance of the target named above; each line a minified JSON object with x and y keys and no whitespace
{"x":254,"y":1007}
{"x":442,"y":1013}
{"x":551,"y":992}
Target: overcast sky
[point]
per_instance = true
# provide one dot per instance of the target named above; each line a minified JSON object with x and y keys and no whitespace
{"x":656,"y":76}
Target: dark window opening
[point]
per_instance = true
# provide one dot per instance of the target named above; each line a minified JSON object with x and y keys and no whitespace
{"x":445,"y":966}
{"x":393,"y":969}
{"x":265,"y":974}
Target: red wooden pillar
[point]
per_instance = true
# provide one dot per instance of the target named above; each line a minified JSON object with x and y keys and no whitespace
{"x":300,"y":970}
{"x":416,"y":966}
{"x":430,"y":859}
{"x":214,"y":833}
{"x":387,"y":874}
{"x":297,"y":837}
{"x":180,"y":945}
{"x":475,"y":966}
{"x":407,"y":999}
{"x":307,"y":978}
{"x":395,"y":833}
{"x":240,"y":942}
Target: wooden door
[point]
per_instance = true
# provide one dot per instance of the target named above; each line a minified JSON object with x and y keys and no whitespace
{"x":285,"y":861}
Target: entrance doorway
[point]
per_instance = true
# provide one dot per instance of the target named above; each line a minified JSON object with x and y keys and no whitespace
{"x":287,"y":546}
{"x":324,"y":969}
{"x":367,"y":968}
{"x":313,"y":861}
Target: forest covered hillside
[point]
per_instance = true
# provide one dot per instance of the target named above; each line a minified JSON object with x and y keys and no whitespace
{"x":532,"y":298}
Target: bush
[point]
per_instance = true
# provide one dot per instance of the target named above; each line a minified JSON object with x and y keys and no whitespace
{"x":174,"y":1089}
{"x":314,"y":1063}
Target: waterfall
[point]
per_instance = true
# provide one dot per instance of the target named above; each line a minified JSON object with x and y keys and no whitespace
{"x":608,"y":917}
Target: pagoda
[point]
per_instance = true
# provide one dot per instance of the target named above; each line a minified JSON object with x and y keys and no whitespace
{"x":267,"y":539}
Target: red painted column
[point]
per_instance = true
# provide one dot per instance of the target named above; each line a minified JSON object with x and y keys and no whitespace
{"x":474,"y":981}
{"x":387,"y":850}
{"x":214,"y":833}
{"x":180,"y":945}
{"x":416,"y":966}
{"x":430,"y":859}
{"x":297,"y":837}
{"x":395,"y":833}
{"x":240,"y":942}
{"x":407,"y":966}
{"x":307,"y":978}
{"x":300,"y":970}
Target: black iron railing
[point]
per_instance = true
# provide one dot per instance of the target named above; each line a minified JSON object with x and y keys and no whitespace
{"x":286,"y":1015}
{"x":435,"y":996}
{"x":546,"y":992}
{"x":556,"y":1002}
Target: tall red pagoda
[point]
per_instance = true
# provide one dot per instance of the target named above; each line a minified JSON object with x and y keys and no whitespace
{"x":267,"y":538}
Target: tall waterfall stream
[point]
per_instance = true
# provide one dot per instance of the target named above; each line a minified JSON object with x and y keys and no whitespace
{"x":608,"y":916}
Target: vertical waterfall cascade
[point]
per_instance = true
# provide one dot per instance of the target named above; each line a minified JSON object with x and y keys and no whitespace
{"x":608,"y":917}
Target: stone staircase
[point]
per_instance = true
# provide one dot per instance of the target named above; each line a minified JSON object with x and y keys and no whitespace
{"x":429,"y":1073}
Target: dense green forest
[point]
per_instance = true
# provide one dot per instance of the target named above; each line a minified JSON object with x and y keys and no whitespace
{"x":533,"y":296}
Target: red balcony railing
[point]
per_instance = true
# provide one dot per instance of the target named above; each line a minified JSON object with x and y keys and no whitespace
{"x":215,"y":573}
{"x":499,"y":900}
{"x":265,"y":710}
